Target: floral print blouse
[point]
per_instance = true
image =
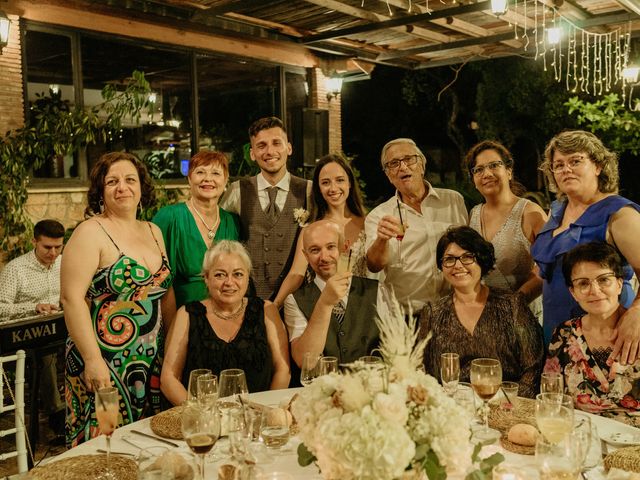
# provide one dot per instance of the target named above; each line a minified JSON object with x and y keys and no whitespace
{"x":613,"y":392}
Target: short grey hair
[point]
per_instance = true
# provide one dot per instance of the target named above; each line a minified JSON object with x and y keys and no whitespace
{"x":228,"y":247}
{"x":397,"y":141}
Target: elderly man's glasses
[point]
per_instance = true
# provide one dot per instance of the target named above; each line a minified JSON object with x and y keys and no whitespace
{"x":572,"y":164}
{"x":394,"y":164}
{"x":604,"y":281}
{"x":479,"y":170}
{"x":465,"y":259}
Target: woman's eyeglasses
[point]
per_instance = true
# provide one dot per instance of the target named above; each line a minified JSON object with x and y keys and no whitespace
{"x":572,"y":164}
{"x":604,"y":281}
{"x":465,"y":259}
{"x":491,"y":166}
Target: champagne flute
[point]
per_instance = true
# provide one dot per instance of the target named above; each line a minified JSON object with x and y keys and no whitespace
{"x":403,"y":229}
{"x":201,"y":430}
{"x":107,"y":411}
{"x":328,"y":365}
{"x":274,"y":429}
{"x":310,"y":368}
{"x":192,"y":389}
{"x":486,"y":377}
{"x":551,"y":383}
{"x":207,"y":389}
{"x":554,"y":416}
{"x":450,"y":372}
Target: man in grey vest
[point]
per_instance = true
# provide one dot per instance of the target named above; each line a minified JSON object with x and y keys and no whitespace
{"x":265,"y":204}
{"x":335,"y":314}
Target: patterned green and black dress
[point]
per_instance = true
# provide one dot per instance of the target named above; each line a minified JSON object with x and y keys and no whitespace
{"x":124,"y":303}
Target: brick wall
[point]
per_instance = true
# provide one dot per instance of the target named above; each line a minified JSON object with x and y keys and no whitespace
{"x":11,"y":98}
{"x":318,"y":95}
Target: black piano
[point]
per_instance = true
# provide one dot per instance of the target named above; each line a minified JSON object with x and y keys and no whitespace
{"x":38,"y":335}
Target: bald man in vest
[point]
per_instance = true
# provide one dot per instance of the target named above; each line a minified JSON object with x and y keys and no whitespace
{"x":335,"y":314}
{"x":265,"y":204}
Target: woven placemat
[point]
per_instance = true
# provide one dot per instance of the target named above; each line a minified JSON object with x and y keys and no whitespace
{"x":624,"y":458}
{"x":86,"y":466}
{"x":168,"y":424}
{"x":524,"y":412}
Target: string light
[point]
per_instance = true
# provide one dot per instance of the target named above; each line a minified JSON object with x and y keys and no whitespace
{"x":593,"y":62}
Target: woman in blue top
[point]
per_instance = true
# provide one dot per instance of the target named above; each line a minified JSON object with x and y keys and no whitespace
{"x":585,"y":176}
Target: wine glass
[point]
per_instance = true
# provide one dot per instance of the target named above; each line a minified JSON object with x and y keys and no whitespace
{"x":558,"y":459}
{"x":232,"y":386}
{"x":192,"y":389}
{"x":554,"y":416}
{"x":274,"y":428}
{"x":586,"y":432}
{"x":450,"y":372}
{"x":486,"y":377}
{"x":328,"y":365}
{"x":201,"y":430}
{"x":310,"y":368}
{"x":107,"y":411}
{"x":207,"y":389}
{"x":551,"y":383}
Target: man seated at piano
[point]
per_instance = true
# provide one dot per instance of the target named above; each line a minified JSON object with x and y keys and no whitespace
{"x":30,"y":285}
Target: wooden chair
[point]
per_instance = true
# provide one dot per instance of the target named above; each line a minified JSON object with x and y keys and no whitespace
{"x":16,"y":397}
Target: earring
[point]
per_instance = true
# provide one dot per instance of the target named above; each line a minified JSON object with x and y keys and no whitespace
{"x":101,"y":205}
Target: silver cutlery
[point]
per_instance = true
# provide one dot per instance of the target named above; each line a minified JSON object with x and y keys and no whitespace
{"x":154,"y":437}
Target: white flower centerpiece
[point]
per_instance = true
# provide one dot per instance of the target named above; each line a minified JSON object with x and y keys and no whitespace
{"x":389,"y":421}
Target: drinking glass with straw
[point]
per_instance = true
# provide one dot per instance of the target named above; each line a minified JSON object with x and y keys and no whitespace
{"x":107,"y":402}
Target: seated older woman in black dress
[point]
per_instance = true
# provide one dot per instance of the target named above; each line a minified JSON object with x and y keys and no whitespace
{"x":226,"y":330}
{"x":477,"y":321}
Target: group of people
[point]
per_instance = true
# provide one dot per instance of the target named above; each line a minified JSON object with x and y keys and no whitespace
{"x":247,"y":275}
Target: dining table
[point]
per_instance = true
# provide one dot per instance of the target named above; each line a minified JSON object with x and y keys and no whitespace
{"x":611,"y":435}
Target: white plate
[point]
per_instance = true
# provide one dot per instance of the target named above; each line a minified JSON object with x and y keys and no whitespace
{"x":621,"y":439}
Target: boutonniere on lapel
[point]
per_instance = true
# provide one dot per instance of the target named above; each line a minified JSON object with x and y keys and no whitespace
{"x":300,"y":216}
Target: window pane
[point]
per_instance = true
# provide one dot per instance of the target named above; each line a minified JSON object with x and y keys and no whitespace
{"x":232,"y":94}
{"x":50,"y":81}
{"x":163,"y":136}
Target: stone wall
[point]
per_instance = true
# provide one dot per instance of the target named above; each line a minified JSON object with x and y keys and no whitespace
{"x":318,"y":99}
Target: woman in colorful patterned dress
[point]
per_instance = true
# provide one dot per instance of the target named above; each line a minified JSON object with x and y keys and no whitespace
{"x":114,"y":272}
{"x":580,"y":347}
{"x":335,"y":196}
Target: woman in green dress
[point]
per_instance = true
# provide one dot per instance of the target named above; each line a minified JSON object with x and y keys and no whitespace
{"x":190,"y":228}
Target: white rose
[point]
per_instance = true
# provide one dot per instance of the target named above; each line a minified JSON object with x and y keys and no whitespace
{"x":391,"y":408}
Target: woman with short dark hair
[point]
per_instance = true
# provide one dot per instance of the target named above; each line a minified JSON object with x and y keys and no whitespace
{"x":477,"y":321}
{"x":579,"y":349}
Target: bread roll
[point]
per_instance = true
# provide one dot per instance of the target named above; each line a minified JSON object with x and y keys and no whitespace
{"x":523,"y":434}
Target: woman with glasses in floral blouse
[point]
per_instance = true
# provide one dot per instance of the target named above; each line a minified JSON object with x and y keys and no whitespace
{"x":580,"y":347}
{"x":584,"y":175}
{"x":477,"y":321}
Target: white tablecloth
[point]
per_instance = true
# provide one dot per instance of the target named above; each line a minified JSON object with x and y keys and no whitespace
{"x":288,"y":461}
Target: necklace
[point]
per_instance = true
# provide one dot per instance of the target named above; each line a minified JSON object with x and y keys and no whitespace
{"x":211,"y":230}
{"x":229,"y":316}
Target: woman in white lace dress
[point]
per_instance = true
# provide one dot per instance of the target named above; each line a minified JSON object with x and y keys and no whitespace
{"x":508,"y":221}
{"x":335,"y":197}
